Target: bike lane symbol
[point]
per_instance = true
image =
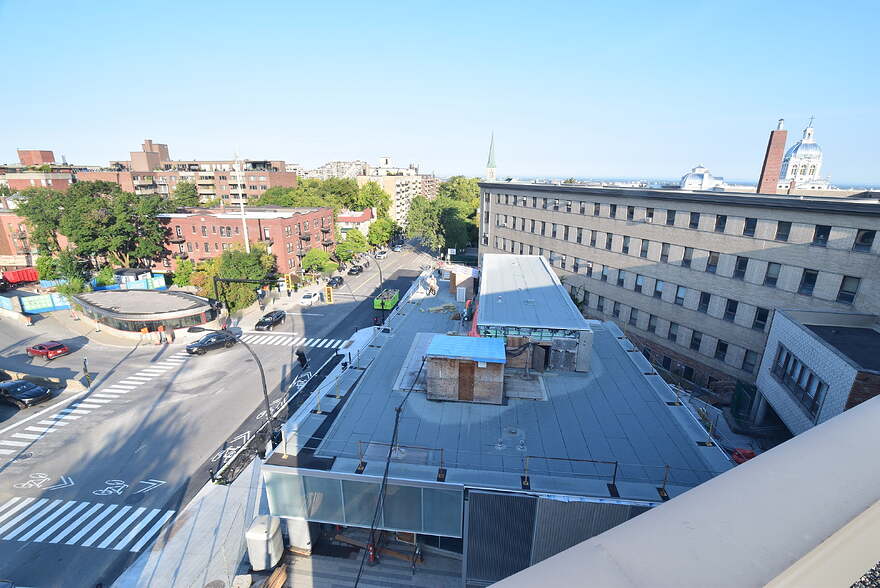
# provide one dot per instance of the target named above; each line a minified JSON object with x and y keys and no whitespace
{"x":113,"y":487}
{"x":35,"y":481}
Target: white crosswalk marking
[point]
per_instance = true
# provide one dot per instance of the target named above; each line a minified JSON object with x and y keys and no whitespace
{"x":38,"y":513}
{"x":58,"y":512}
{"x":53,"y":423}
{"x":299,"y":340}
{"x":91,"y":525}
{"x":111,"y":396}
{"x":118,"y":531}
{"x":13,"y":506}
{"x":92,"y":399}
{"x":321,"y":343}
{"x":42,"y":430}
{"x":123,"y":386}
{"x":6,"y":451}
{"x":26,"y":436}
{"x":137,"y":529}
{"x":153,"y":530}
{"x":33,"y":508}
{"x":167,"y":364}
{"x":134,"y":380}
{"x":67,"y":531}
{"x":289,"y":341}
{"x":61,"y":521}
{"x":14,"y":443}
{"x":89,"y":405}
{"x":309,"y":343}
{"x":66,"y":417}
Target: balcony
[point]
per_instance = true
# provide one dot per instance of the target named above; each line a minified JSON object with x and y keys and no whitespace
{"x":301,"y":252}
{"x":305,"y":237}
{"x":181,"y":255}
{"x":19,"y":235}
{"x":327,"y":242}
{"x":177,"y":239}
{"x":325,"y":230}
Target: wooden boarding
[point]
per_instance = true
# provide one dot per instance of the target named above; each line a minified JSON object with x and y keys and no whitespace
{"x":382,"y":550}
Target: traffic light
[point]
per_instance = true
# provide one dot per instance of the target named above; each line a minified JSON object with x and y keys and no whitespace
{"x":328,"y":294}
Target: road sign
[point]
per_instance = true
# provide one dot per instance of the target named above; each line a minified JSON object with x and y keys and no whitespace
{"x":451,"y":251}
{"x":328,"y":294}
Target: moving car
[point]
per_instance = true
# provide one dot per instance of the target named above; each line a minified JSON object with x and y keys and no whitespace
{"x":356,"y":270}
{"x":23,"y":394}
{"x":211,"y":341}
{"x":309,"y":298}
{"x":49,"y":350}
{"x":270,"y":319}
{"x":381,"y":254}
{"x":335,"y":282}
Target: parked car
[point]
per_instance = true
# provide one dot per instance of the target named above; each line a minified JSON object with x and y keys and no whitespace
{"x":397,"y":248}
{"x":356,"y":270}
{"x":381,"y":254}
{"x":211,"y":341}
{"x":49,"y":350}
{"x":23,"y":394}
{"x":309,"y":298}
{"x":270,"y":319}
{"x":335,"y":282}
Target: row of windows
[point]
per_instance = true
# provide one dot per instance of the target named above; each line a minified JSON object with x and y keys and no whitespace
{"x":804,"y":385}
{"x":226,"y":231}
{"x":863,"y":241}
{"x":846,"y":293}
{"x":720,"y":352}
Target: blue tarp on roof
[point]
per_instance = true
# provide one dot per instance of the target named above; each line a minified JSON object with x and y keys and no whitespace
{"x":488,"y":349}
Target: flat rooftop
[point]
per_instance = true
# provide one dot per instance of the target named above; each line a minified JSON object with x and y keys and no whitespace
{"x":860,"y":344}
{"x":615,"y":413}
{"x":524,"y":291}
{"x":146,"y":304}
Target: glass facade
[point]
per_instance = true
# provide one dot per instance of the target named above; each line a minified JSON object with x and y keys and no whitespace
{"x":410,"y":508}
{"x":135,"y":325}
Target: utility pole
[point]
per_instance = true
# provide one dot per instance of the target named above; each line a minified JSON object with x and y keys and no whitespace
{"x":240,"y":170}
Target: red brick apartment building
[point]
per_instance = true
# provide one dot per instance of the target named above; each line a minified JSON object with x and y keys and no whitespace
{"x":289,"y":233}
{"x":21,"y":177}
{"x":152,"y":171}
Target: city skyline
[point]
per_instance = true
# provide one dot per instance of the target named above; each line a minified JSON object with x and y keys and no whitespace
{"x":568,"y":90}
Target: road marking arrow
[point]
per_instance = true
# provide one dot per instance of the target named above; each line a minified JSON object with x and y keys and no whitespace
{"x":151,"y":485}
{"x":65,"y":482}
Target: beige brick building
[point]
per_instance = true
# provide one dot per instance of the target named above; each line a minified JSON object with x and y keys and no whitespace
{"x":693,"y":278}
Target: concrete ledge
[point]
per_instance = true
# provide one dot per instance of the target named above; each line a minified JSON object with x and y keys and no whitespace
{"x":49,"y":382}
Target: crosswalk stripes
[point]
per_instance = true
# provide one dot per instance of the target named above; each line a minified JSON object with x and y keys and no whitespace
{"x":289,"y":341}
{"x":81,"y":523}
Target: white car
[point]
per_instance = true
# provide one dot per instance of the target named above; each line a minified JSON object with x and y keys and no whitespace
{"x":397,"y":248}
{"x":381,"y":254}
{"x":309,"y":298}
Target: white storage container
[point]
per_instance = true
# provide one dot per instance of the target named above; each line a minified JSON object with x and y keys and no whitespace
{"x":264,"y":542}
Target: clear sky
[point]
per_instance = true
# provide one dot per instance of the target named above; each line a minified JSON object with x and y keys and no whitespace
{"x":597,"y":89}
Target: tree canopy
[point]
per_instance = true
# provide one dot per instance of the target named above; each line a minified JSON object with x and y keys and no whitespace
{"x":335,"y":193}
{"x":441,"y":223}
{"x":185,"y":194}
{"x":381,"y":232}
{"x":236,"y":264}
{"x":318,"y":260}
{"x":353,"y":244}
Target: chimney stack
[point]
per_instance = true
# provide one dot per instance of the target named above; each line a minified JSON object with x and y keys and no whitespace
{"x":773,"y":160}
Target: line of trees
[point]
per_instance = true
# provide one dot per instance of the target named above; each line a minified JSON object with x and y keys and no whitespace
{"x":450,"y":220}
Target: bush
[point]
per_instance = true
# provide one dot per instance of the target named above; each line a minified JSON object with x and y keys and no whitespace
{"x":47,"y":267}
{"x":105,"y":277}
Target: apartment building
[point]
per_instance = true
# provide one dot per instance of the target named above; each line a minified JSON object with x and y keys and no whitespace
{"x":152,"y":171}
{"x":288,"y":233}
{"x":693,"y":278}
{"x":402,"y":190}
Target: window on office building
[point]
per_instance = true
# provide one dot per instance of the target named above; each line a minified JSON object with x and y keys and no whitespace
{"x":687,"y":257}
{"x":583,"y":207}
{"x":580,"y":235}
{"x":670,"y":217}
{"x":649,"y":215}
{"x":615,"y":309}
{"x":761,"y":317}
{"x":640,"y":282}
{"x":592,"y":238}
{"x":703,"y":306}
{"x":696,"y":340}
{"x":621,"y":276}
{"x":739,"y":269}
{"x":750,"y":360}
{"x":589,"y":266}
{"x":612,"y":210}
{"x":720,"y":223}
{"x":864,"y":240}
{"x":800,"y":380}
{"x":730,"y":310}
{"x":771,"y":277}
{"x":544,"y":203}
{"x":750,"y":226}
{"x":625,"y":248}
{"x":553,"y":228}
{"x":630,"y":213}
{"x":712,"y":262}
{"x":658,"y":288}
{"x":808,"y":282}
{"x":604,"y":275}
{"x":566,"y":232}
{"x":596,"y":209}
{"x":664,"y":253}
{"x":672,"y":334}
{"x":608,"y":239}
{"x":848,"y":287}
{"x":578,"y":262}
{"x":783,"y":230}
{"x":695,"y":220}
{"x":643,"y":252}
{"x":652,"y":323}
{"x":721,"y":350}
{"x":680,"y":293}
{"x":633,"y":316}
{"x":821,"y":235}
{"x":600,"y":304}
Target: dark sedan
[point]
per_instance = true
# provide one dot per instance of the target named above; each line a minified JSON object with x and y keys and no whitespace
{"x":23,"y":394}
{"x":335,"y":282}
{"x":356,"y":270}
{"x":211,"y":341}
{"x":270,"y":320}
{"x":49,"y":350}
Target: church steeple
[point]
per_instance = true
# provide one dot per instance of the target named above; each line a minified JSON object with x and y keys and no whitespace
{"x":490,"y":164}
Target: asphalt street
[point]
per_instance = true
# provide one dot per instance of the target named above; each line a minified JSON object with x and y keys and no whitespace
{"x":88,"y":480}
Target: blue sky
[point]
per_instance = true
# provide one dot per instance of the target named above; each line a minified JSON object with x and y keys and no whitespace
{"x":604,"y":89}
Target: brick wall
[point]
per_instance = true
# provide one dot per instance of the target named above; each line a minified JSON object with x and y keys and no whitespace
{"x":865,"y":387}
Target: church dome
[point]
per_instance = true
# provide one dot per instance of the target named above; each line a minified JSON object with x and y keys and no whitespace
{"x":806,"y":148}
{"x":700,"y":178}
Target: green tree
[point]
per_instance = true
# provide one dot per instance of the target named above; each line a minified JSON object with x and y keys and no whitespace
{"x":381,"y":231}
{"x":185,"y":194}
{"x":440,"y":223}
{"x":462,"y":189}
{"x":105,"y":277}
{"x":185,"y":269}
{"x":236,"y":264}
{"x":371,"y":195}
{"x":47,"y":268}
{"x":353,"y":244}
{"x":569,"y":181}
{"x":423,"y":221}
{"x":318,"y":260}
{"x":43,"y":209}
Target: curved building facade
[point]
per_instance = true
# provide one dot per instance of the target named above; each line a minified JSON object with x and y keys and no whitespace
{"x":136,"y":310}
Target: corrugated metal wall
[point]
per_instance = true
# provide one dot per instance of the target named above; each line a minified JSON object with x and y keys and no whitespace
{"x":507,"y":532}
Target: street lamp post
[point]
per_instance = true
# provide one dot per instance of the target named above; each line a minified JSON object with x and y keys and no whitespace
{"x":269,"y":418}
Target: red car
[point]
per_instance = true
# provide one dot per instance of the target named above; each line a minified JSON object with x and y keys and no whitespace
{"x":49,"y":350}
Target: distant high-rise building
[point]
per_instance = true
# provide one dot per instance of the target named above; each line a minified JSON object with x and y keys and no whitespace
{"x":490,"y":164}
{"x":772,"y":166}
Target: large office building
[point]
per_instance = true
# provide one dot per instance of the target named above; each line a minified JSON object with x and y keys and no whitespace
{"x":694,"y":278}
